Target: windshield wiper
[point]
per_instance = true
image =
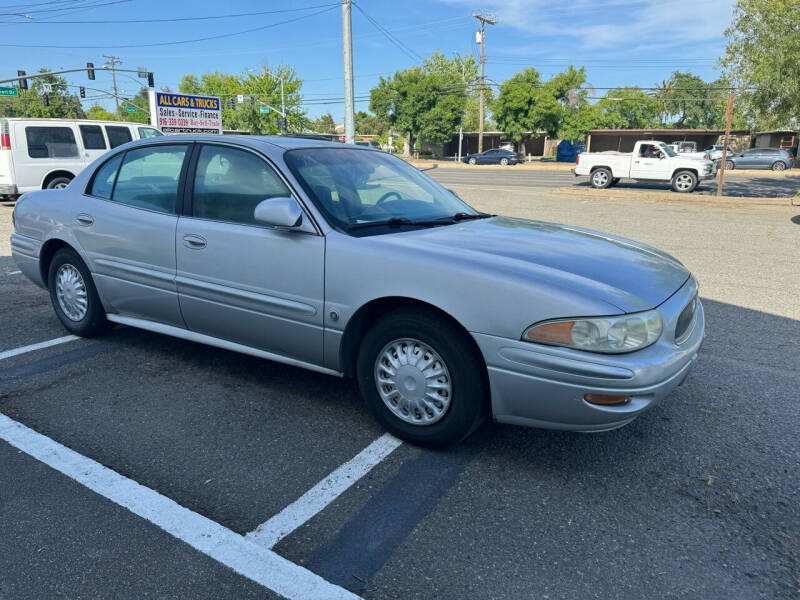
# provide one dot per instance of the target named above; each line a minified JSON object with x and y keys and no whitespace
{"x":462,"y":216}
{"x":393,"y":222}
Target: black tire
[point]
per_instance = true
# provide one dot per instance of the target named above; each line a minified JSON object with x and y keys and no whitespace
{"x":504,"y":162}
{"x":779,"y":165}
{"x":94,"y":322}
{"x":730,"y":165}
{"x":472,"y":161}
{"x":58,"y":183}
{"x":684,"y":182}
{"x":469,"y":398}
{"x":601,"y":178}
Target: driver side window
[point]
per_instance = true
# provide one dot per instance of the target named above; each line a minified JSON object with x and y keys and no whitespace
{"x":229,"y":183}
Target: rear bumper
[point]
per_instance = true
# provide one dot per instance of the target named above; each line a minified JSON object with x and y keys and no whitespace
{"x":544,"y":386}
{"x":25,"y":251}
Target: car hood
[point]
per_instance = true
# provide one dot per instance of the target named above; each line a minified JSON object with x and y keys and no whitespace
{"x":621,"y":272}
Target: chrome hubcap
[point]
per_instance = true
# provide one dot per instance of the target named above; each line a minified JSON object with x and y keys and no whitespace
{"x":413,"y":381}
{"x":71,"y":292}
{"x":600,"y":178}
{"x":684,"y":182}
{"x":778,"y":167}
{"x":59,"y":186}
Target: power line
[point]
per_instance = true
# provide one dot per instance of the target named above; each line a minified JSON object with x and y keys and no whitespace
{"x":172,"y":20}
{"x":177,"y":42}
{"x":403,"y":48}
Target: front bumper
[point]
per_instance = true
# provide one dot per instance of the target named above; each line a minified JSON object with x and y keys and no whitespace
{"x":7,"y":189}
{"x":543,"y":386}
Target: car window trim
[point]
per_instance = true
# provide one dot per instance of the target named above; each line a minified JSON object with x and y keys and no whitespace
{"x":181,"y":177}
{"x":192,"y":173}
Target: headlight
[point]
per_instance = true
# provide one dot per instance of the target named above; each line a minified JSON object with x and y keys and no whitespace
{"x":609,"y":335}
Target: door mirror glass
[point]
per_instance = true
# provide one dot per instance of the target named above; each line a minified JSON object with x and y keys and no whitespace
{"x":279,"y":212}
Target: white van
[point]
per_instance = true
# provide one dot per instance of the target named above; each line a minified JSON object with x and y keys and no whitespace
{"x":38,"y":154}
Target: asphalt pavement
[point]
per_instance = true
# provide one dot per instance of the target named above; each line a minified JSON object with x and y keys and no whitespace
{"x":696,"y":499}
{"x":512,"y":177}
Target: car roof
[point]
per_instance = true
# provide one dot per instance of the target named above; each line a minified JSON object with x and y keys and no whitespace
{"x":285,"y":142}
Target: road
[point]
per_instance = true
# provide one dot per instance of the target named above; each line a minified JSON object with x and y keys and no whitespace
{"x":737,"y":185}
{"x":696,"y":499}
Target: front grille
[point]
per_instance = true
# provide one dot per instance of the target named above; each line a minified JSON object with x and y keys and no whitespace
{"x":686,"y":321}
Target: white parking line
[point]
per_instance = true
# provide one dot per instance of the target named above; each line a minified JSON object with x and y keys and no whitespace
{"x":39,"y":346}
{"x":212,"y":539}
{"x":326,"y":491}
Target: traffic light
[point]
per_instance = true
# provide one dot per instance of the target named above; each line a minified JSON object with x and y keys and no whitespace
{"x":150,"y":82}
{"x":23,"y":83}
{"x":252,"y":100}
{"x":231,"y":102}
{"x":46,"y":99}
{"x":83,"y":92}
{"x":90,"y":70}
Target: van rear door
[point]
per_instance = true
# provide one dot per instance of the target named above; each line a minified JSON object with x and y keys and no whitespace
{"x":8,"y":185}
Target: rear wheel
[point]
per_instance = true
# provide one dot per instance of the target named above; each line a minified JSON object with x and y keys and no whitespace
{"x":729,"y":165}
{"x":601,"y":178}
{"x":422,"y":378}
{"x":58,"y":183}
{"x":778,"y":166}
{"x":684,"y":182}
{"x":504,"y":162}
{"x":74,"y":296}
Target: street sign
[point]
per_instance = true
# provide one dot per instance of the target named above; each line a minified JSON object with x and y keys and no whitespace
{"x":263,"y":110}
{"x":130,"y":109}
{"x":8,"y":91}
{"x":47,"y":88}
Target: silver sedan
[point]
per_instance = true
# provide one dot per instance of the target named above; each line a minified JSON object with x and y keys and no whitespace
{"x":348,"y":261}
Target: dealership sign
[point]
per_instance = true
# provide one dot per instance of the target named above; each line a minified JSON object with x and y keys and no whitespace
{"x":185,"y":113}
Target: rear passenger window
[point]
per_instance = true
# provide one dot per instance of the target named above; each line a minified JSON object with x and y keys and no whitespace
{"x":103,"y":182}
{"x":92,"y":137}
{"x":148,"y":132}
{"x":149,"y":178}
{"x":118,"y":135}
{"x":51,"y":142}
{"x":230,"y":183}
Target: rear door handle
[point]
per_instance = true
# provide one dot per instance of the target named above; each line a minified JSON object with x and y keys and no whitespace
{"x":194,"y":241}
{"x":84,"y":219}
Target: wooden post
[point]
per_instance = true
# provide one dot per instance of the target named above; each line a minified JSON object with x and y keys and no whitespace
{"x":728,"y":115}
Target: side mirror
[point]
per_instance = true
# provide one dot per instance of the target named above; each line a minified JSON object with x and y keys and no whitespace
{"x":279,"y":212}
{"x":661,"y":155}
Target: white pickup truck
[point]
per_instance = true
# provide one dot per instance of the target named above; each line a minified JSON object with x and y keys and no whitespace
{"x":649,"y":161}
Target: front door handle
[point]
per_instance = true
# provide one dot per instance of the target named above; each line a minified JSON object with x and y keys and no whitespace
{"x":194,"y":241}
{"x":84,"y":219}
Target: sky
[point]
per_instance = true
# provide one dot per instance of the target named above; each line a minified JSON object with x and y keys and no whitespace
{"x":620,"y":42}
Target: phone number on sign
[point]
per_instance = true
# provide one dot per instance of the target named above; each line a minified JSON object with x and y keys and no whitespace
{"x":177,"y":122}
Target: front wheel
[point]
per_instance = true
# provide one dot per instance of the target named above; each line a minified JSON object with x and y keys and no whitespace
{"x":778,"y":166}
{"x":601,"y":178}
{"x":74,"y":296}
{"x":684,"y":182}
{"x":422,"y":378}
{"x":472,"y":161}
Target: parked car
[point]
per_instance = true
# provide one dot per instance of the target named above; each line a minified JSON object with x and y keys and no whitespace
{"x":495,"y":156}
{"x":649,"y":161}
{"x":683,"y":147}
{"x":715,"y":152}
{"x":351,"y":262}
{"x":369,"y":143}
{"x":37,"y":154}
{"x":760,"y":158}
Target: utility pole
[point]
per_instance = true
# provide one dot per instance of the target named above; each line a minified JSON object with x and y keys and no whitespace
{"x":728,"y":116}
{"x":484,"y":19}
{"x":113,"y":61}
{"x":347,"y":57}
{"x":283,"y":110}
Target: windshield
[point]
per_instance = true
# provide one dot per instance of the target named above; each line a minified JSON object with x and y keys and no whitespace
{"x":354,"y":188}
{"x":668,"y":150}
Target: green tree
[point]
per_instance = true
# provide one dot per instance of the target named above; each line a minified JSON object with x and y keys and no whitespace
{"x":627,"y":108}
{"x":98,"y":113}
{"x":526,"y":103}
{"x":762,"y":51}
{"x":264,"y":86}
{"x":692,"y":102}
{"x":324,"y":124}
{"x":367,"y":124}
{"x":423,"y":103}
